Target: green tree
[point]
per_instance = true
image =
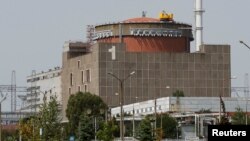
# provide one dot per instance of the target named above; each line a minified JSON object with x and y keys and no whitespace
{"x":202,"y":110}
{"x":178,"y":93}
{"x":167,"y":126}
{"x":50,"y":121}
{"x":86,"y":130}
{"x":145,"y":130}
{"x":28,"y":128}
{"x":81,"y":103}
{"x":239,"y":117}
{"x":9,"y":134}
{"x":107,"y":131}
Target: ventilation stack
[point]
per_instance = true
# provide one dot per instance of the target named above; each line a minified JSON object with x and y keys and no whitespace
{"x":198,"y":24}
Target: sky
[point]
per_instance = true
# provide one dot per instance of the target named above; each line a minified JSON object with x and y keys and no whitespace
{"x":32,"y":32}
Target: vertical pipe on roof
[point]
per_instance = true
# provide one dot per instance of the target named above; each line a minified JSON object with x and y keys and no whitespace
{"x":120,"y":32}
{"x":198,"y":24}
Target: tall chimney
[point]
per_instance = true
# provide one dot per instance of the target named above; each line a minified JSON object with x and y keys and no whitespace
{"x":198,"y":24}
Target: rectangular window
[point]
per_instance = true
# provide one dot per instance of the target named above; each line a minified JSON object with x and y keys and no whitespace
{"x":82,"y":76}
{"x":85,"y":88}
{"x":78,"y":64}
{"x":88,"y":75}
{"x":79,"y":88}
{"x":69,"y":91}
{"x":71,"y":79}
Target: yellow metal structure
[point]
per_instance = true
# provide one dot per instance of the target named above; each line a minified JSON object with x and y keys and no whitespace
{"x":165,"y":16}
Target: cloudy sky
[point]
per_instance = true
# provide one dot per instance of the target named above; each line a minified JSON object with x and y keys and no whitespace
{"x":32,"y":32}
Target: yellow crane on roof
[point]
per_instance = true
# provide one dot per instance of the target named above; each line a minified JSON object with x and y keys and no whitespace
{"x":166,"y":16}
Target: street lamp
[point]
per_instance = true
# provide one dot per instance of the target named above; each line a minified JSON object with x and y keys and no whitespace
{"x":247,"y":86}
{"x":177,"y":130}
{"x":244,"y":44}
{"x":134,"y":118}
{"x":44,"y":93}
{"x":121,"y":82}
{"x":44,"y":102}
{"x":3,"y":97}
{"x":155,"y":112}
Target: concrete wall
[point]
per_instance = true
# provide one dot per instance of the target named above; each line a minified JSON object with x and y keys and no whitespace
{"x":184,"y":105}
{"x":77,"y":63}
{"x":201,"y":74}
{"x":48,"y":84}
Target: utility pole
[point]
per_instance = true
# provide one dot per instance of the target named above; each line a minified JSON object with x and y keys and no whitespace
{"x":134,"y":119}
{"x":246,"y":94}
{"x":246,"y":83}
{"x":155,"y":116}
{"x":121,"y":84}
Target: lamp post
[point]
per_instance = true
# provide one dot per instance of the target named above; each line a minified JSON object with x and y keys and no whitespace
{"x":42,"y":130}
{"x":155,"y":113}
{"x":244,"y":44}
{"x":94,"y":115}
{"x":121,"y":82}
{"x":177,"y":130}
{"x":134,"y":118}
{"x":3,"y":97}
{"x":44,"y":93}
{"x":247,"y":86}
{"x":100,"y":112}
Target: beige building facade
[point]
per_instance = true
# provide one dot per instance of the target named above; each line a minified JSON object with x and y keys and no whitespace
{"x":157,"y":74}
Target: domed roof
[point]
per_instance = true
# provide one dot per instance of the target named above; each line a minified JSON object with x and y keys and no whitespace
{"x":141,"y":20}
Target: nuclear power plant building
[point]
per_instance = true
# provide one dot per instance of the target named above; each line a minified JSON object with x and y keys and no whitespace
{"x":156,"y":51}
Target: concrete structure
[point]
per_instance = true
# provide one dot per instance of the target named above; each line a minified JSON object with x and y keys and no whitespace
{"x":187,"y":110}
{"x":42,"y":86}
{"x":183,"y":105}
{"x":198,"y":24}
{"x":158,"y":52}
{"x":147,"y":35}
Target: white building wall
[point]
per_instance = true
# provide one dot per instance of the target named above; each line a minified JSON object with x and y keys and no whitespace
{"x":47,"y":84}
{"x":186,"y":105}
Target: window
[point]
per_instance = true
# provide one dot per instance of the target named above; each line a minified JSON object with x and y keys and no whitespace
{"x":78,"y":64}
{"x":85,"y":88}
{"x":71,"y":79}
{"x":82,"y":76}
{"x":79,"y":88}
{"x":69,"y":91}
{"x":88,"y":75}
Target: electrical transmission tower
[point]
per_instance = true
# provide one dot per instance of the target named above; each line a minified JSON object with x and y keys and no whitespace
{"x":12,"y":89}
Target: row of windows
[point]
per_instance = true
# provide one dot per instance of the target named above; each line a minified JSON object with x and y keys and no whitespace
{"x":149,"y":109}
{"x":43,"y":77}
{"x":85,"y":77}
{"x":79,"y":89}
